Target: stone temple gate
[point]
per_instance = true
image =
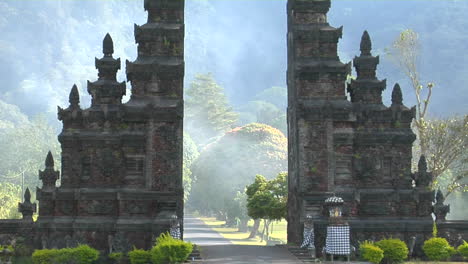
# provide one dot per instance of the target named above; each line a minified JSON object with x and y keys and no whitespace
{"x":121,"y":175}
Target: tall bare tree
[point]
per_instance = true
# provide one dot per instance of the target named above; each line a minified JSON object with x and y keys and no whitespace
{"x":405,"y":51}
{"x":442,"y":141}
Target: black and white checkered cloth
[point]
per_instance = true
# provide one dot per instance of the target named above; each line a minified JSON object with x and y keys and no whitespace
{"x":308,"y":238}
{"x":337,"y":242}
{"x":175,"y":232}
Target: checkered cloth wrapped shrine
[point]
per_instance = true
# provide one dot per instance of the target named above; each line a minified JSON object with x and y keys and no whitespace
{"x":337,"y":242}
{"x":308,"y":238}
{"x":175,"y":232}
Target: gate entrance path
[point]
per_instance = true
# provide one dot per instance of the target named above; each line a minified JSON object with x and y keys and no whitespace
{"x":216,"y":249}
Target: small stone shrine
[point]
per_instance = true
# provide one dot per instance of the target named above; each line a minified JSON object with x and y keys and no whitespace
{"x":359,"y":149}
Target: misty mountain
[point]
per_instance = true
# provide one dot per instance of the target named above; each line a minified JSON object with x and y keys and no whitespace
{"x":46,"y":46}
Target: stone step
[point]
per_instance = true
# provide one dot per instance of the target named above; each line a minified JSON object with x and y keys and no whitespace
{"x":302,"y":254}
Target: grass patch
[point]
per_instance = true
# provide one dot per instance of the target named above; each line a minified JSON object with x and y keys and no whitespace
{"x":241,"y":238}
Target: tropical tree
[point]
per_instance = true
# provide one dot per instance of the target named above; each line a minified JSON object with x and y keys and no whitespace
{"x":267,"y":200}
{"x":190,"y":154}
{"x":448,"y":156}
{"x":9,"y":197}
{"x":24,"y":143}
{"x":268,"y":107}
{"x":442,"y":141}
{"x":207,"y":111}
{"x":227,"y":165}
{"x":405,"y":51}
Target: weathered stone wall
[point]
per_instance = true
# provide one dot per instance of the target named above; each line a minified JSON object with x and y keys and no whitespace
{"x":358,"y":149}
{"x":121,"y":163}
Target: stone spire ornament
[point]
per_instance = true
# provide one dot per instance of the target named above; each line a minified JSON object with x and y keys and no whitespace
{"x":49,"y":162}
{"x":440,"y":209}
{"x":366,"y":44}
{"x":74,"y":97}
{"x":106,"y":90}
{"x":423,"y":177}
{"x":422,"y":164}
{"x":397,"y":96}
{"x":107,"y":46}
{"x":26,"y":208}
{"x":49,"y":176}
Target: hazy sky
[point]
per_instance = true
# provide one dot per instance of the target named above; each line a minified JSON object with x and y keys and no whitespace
{"x":47,"y":46}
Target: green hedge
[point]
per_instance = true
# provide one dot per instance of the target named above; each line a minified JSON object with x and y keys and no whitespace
{"x":394,"y":250}
{"x":463,"y":249}
{"x":169,"y":250}
{"x":371,"y":252}
{"x":83,"y":254}
{"x":116,"y":256}
{"x":139,"y":256}
{"x":438,"y":248}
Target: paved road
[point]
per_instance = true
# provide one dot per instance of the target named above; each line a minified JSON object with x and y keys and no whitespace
{"x":198,"y":233}
{"x":240,"y":254}
{"x":216,"y":249}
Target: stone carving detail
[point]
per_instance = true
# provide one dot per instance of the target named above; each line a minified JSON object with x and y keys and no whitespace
{"x":120,"y":242}
{"x":137,"y":207}
{"x":98,"y":207}
{"x":423,"y":177}
{"x":440,"y":209}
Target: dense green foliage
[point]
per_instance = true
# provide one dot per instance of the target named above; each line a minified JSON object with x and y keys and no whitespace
{"x":394,"y":250}
{"x":24,"y":143}
{"x":371,"y":252}
{"x":116,"y":256}
{"x":207,"y":111}
{"x":190,"y":154}
{"x":10,"y":195}
{"x":139,"y":256}
{"x":169,"y":250}
{"x":463,"y":249}
{"x":267,"y":199}
{"x":437,"y":249}
{"x":236,"y":211}
{"x":227,"y":165}
{"x":268,"y":107}
{"x":83,"y":254}
{"x":4,"y":258}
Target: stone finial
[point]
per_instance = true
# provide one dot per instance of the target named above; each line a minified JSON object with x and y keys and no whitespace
{"x":27,"y":195}
{"x":74,"y":97}
{"x":397,"y":96}
{"x":422,"y":164}
{"x":49,"y":162}
{"x":107,"y":45}
{"x":49,"y":176}
{"x":366,"y":44}
{"x":439,"y":197}
{"x":440,"y":209}
{"x":26,"y":208}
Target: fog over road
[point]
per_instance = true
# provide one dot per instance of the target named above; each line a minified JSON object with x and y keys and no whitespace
{"x":216,"y":249}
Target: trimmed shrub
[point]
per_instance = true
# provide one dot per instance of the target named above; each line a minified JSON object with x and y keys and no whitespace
{"x":371,"y":252}
{"x":139,"y":256}
{"x":170,"y":250}
{"x":116,"y":256}
{"x":394,"y":250}
{"x":83,"y":254}
{"x":438,"y":248}
{"x":44,"y":256}
{"x":463,"y":249}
